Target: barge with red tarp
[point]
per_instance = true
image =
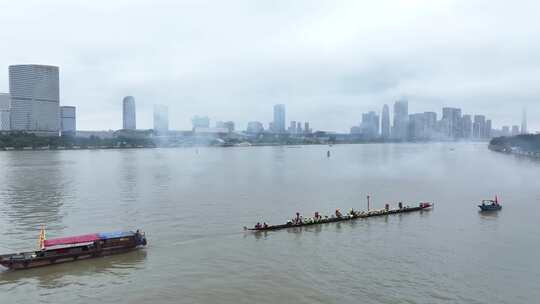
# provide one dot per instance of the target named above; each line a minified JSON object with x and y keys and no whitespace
{"x":73,"y":248}
{"x":352,"y":215}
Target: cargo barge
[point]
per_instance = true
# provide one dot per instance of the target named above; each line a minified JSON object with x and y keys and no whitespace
{"x":338,"y":217}
{"x":69,"y":249}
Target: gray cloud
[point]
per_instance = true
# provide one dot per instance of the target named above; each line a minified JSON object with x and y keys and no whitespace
{"x":328,"y":61}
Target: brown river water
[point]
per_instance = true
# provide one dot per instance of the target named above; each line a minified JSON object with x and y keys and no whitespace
{"x":193,"y":203}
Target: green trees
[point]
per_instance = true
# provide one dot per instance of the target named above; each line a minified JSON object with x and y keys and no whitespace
{"x":525,"y":142}
{"x":21,"y":140}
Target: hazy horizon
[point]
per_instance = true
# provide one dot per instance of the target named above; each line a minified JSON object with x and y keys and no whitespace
{"x":328,"y":62}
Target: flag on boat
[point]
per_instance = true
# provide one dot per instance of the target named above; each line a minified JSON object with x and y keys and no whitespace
{"x":42,"y":238}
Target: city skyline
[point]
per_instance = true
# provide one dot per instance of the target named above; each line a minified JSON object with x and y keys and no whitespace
{"x":402,"y":110}
{"x":33,"y":86}
{"x":324,"y":61}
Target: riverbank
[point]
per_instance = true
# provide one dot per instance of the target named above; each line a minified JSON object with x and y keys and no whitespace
{"x":527,"y":145}
{"x":191,"y":145}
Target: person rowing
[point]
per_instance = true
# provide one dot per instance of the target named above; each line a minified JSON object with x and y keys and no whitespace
{"x":265,"y":225}
{"x":298,"y":219}
{"x":258,"y":225}
{"x":338,"y":213}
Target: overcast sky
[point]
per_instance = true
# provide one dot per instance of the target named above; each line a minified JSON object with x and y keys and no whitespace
{"x":328,"y":61}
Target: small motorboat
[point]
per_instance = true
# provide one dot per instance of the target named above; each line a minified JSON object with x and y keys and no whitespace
{"x":490,"y":205}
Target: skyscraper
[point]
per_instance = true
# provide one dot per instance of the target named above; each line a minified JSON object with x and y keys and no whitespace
{"x":292,"y":127}
{"x":524,"y":122}
{"x":515,"y":130}
{"x":401,"y":120}
{"x":466,"y":124}
{"x":385,"y":122}
{"x":279,"y":119}
{"x":417,"y":126}
{"x":307,"y":130}
{"x":370,"y":125}
{"x":5,"y":102}
{"x":129,"y":117}
{"x":35,"y":98}
{"x":453,"y":116}
{"x":229,"y":125}
{"x":487,"y":131}
{"x":431,"y":124}
{"x":161,"y":119}
{"x":68,"y":120}
{"x":505,"y":130}
{"x":479,"y":126}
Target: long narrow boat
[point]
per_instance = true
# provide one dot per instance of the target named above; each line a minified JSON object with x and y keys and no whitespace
{"x":68,"y":249}
{"x":348,"y":217}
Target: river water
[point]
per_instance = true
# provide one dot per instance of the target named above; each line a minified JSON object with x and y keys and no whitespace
{"x":193,"y":203}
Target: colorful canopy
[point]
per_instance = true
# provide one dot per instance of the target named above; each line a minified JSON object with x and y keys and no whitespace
{"x":72,"y":240}
{"x":115,"y":234}
{"x":87,"y":238}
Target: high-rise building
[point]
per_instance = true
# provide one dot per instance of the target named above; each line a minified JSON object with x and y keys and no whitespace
{"x":68,"y":120}
{"x":431,"y":124}
{"x":129,"y":120}
{"x":200,"y":122}
{"x":505,"y":130}
{"x":229,"y":125}
{"x":453,"y":116}
{"x":292,"y":127}
{"x":524,"y":122}
{"x":307,"y":130}
{"x":385,"y":122}
{"x":479,"y":126}
{"x":356,"y":130}
{"x":443,"y":129}
{"x":299,"y":127}
{"x":35,"y":99}
{"x":487,"y":131}
{"x":467,"y":126}
{"x":278,"y":125}
{"x":161,"y":119}
{"x":370,"y":125}
{"x":417,"y":126}
{"x":255,"y":127}
{"x":515,"y":130}
{"x":401,"y":120}
{"x":5,"y":102}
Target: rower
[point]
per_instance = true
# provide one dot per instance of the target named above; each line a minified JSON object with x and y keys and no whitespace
{"x":317,"y":216}
{"x":338,"y":214}
{"x":258,"y":225}
{"x":265,"y":225}
{"x":297,"y":219}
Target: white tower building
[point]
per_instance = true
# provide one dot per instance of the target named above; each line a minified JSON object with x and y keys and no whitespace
{"x":129,"y":120}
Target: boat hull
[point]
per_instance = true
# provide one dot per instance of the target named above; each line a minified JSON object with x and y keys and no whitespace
{"x":489,"y":207}
{"x":344,"y":218}
{"x":63,"y":254}
{"x":48,"y":261}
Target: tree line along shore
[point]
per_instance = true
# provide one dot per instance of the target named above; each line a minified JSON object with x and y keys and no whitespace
{"x":524,"y":144}
{"x":148,"y":139}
